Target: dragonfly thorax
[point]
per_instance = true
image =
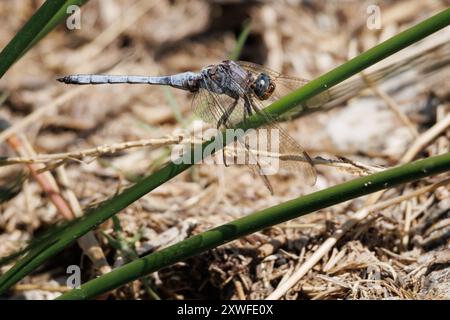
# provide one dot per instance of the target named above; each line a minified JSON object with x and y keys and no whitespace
{"x":225,"y":78}
{"x":263,"y":86}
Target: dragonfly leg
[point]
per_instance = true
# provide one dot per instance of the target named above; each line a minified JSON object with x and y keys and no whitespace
{"x":223,"y":121}
{"x":255,"y":108}
{"x":247,"y":108}
{"x":226,"y":115}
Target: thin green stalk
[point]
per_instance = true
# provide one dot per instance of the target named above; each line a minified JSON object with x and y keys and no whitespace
{"x":241,"y":41}
{"x":260,"y":220}
{"x":173,"y":104}
{"x":107,"y":209}
{"x":50,"y":14}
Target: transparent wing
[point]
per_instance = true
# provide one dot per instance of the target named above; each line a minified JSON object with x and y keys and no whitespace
{"x":204,"y":107}
{"x":257,"y":68}
{"x":210,"y":107}
{"x":276,"y":140}
{"x":292,"y":155}
{"x":284,"y":84}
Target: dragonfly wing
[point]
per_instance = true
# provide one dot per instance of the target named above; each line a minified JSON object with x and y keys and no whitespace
{"x":210,"y":107}
{"x":257,"y":68}
{"x":286,"y":85}
{"x":292,"y":156}
{"x":204,"y":107}
{"x":276,"y":140}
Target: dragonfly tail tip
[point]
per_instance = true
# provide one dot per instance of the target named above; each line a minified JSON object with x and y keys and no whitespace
{"x":63,"y":79}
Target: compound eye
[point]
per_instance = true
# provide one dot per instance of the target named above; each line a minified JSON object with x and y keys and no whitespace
{"x":267,"y":93}
{"x":271,"y":88}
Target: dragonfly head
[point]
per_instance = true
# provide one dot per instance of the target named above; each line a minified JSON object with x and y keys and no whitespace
{"x":263,"y":86}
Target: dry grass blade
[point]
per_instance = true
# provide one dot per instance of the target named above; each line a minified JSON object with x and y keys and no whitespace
{"x":91,"y":152}
{"x":421,"y":142}
{"x":53,"y":161}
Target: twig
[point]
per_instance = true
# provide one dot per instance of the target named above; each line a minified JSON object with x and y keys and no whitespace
{"x":42,"y":287}
{"x":407,"y":224}
{"x":57,"y":159}
{"x":92,"y":152}
{"x":239,"y":289}
{"x":423,"y":140}
{"x":392,"y":105}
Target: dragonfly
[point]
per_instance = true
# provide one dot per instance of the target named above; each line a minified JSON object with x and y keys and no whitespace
{"x":229,"y":93}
